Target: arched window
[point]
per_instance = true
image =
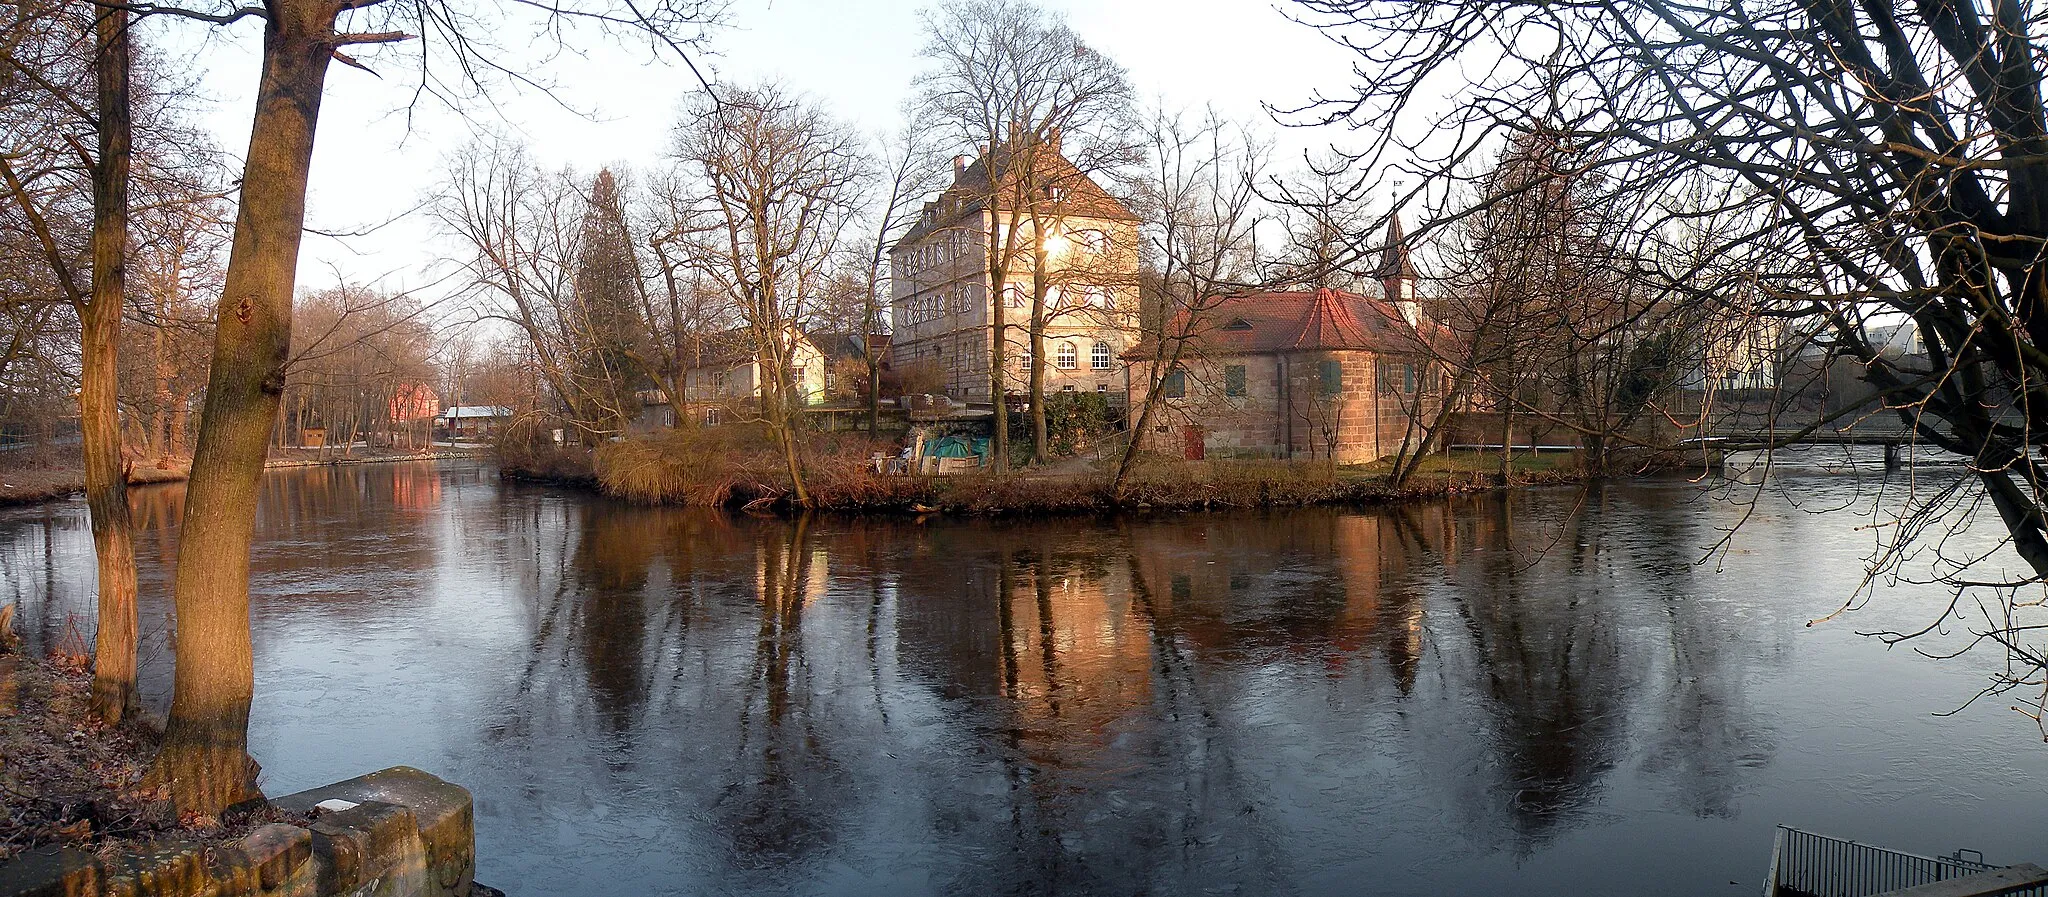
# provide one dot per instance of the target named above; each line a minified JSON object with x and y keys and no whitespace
{"x":1099,"y":356}
{"x":1067,"y":357}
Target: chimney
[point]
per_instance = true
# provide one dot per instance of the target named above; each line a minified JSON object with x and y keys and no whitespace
{"x":959,"y":167}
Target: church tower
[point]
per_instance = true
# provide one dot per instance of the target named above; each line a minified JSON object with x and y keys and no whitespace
{"x":1397,"y":274}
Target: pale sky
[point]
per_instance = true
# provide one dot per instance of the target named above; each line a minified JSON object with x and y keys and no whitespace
{"x":371,"y":165}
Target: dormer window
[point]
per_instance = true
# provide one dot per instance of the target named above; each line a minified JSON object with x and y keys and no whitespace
{"x":1238,"y":324}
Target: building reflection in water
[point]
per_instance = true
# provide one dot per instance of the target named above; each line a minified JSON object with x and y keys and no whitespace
{"x":704,"y":702}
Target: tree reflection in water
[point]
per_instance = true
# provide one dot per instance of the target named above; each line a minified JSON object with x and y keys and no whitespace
{"x":1308,"y":701}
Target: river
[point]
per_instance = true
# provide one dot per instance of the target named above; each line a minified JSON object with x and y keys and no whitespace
{"x":1552,"y":696}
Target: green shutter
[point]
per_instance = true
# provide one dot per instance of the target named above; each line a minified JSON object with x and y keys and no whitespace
{"x":1331,"y":373}
{"x":1233,"y":380}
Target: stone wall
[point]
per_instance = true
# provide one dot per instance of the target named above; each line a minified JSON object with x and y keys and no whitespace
{"x":1284,"y":411}
{"x":395,"y":833}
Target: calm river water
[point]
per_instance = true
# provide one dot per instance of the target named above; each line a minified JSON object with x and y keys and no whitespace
{"x":1467,"y":697}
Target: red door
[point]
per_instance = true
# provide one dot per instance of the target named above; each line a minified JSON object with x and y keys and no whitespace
{"x":1191,"y":442}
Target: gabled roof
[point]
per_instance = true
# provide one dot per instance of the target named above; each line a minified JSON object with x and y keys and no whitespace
{"x":1303,"y":321}
{"x":1082,"y":197}
{"x":463,"y":412}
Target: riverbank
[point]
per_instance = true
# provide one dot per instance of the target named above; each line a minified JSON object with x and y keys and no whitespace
{"x":69,"y":780}
{"x":37,"y":483}
{"x":33,"y":483}
{"x":687,"y":471}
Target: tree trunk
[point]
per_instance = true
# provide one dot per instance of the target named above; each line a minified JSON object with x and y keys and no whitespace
{"x":999,"y":445}
{"x":1039,"y":288}
{"x":205,"y":760}
{"x":106,"y":484}
{"x":874,"y":386}
{"x":782,"y":420}
{"x":1507,"y":439}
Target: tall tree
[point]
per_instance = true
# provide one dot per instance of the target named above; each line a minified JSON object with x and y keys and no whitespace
{"x":1015,"y":82}
{"x":114,"y":695}
{"x":608,"y":367}
{"x":777,"y":181}
{"x":204,"y":759}
{"x":99,"y":307}
{"x":909,"y":170}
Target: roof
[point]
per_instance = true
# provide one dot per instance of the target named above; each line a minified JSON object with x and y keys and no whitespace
{"x":460,"y":411}
{"x":1297,"y":321}
{"x":1395,"y":262}
{"x":837,"y":345}
{"x":971,"y":187}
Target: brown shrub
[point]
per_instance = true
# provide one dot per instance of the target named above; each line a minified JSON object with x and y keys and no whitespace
{"x":526,"y":450}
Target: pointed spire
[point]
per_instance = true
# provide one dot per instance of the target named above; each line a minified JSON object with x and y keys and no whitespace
{"x":1395,"y":263}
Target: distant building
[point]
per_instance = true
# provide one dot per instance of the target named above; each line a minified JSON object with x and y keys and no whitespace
{"x":414,"y":401}
{"x":942,"y":305}
{"x":826,"y":370}
{"x":475,"y":420}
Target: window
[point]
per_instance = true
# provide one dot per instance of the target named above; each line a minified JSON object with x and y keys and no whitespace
{"x":1238,"y":324}
{"x":711,"y":417}
{"x":1098,"y":357}
{"x":1401,"y":377}
{"x":1233,"y":380}
{"x":1066,"y":357}
{"x":1330,"y":377}
{"x":1175,"y":384}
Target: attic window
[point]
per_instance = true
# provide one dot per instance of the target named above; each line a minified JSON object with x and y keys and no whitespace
{"x":1238,"y":324}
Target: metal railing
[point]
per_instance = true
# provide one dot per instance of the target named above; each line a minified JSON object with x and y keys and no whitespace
{"x":1804,"y":864}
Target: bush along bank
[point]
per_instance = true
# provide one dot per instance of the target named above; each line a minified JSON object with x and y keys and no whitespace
{"x":725,"y":469}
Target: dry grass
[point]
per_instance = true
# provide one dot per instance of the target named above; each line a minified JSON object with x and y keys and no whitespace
{"x":728,"y":466}
{"x":27,"y":483}
{"x":721,"y":466}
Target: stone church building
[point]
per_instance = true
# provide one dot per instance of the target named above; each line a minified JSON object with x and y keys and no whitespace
{"x":1321,"y":373}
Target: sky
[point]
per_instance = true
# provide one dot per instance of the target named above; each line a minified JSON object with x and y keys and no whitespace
{"x":374,"y":164}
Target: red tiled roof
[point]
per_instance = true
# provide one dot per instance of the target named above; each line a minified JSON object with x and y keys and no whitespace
{"x":1322,"y":320}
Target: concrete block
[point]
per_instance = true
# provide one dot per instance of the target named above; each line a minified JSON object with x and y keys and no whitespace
{"x":444,"y":813}
{"x":408,"y":835}
{"x":372,"y":850}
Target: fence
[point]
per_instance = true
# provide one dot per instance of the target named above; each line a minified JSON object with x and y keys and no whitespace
{"x":1804,"y":864}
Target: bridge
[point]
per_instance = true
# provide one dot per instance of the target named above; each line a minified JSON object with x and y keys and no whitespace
{"x":1885,"y":431}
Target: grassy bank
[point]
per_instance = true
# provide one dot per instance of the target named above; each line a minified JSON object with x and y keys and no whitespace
{"x":728,"y":468}
{"x":29,"y":483}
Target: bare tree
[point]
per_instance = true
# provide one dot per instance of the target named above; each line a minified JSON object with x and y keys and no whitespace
{"x":520,"y":225}
{"x":204,"y":759}
{"x":1017,"y":83}
{"x":909,"y":170}
{"x":99,"y":305}
{"x":1865,"y":163}
{"x":776,"y":181}
{"x":1200,"y":196}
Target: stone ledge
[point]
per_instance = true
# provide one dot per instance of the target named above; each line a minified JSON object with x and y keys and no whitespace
{"x":408,"y":834}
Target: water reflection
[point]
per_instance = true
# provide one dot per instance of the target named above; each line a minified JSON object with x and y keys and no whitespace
{"x":1529,"y":698}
